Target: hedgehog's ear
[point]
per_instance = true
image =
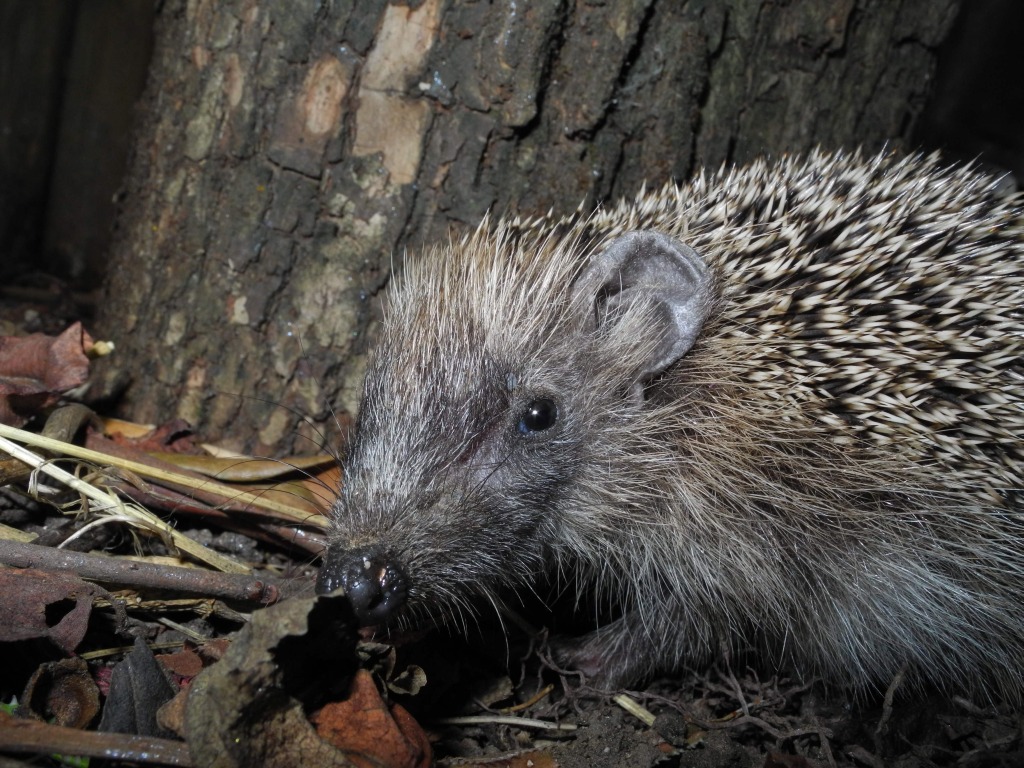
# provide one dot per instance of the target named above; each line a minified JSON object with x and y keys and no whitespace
{"x":650,"y":267}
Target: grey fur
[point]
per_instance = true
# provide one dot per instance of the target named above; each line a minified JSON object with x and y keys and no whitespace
{"x":790,"y":409}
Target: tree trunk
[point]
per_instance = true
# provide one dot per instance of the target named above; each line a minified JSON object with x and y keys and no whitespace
{"x":290,"y":152}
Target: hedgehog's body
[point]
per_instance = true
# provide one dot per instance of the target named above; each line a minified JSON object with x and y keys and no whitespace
{"x":831,"y":473}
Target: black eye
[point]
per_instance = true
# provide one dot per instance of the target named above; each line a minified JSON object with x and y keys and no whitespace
{"x":539,"y":415}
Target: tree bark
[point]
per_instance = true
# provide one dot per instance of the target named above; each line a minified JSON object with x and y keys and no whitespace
{"x":291,"y":151}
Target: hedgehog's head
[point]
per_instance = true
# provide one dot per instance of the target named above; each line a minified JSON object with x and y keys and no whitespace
{"x":507,"y":369}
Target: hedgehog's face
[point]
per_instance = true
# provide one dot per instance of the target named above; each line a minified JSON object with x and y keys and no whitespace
{"x":469,"y":441}
{"x":450,"y":490}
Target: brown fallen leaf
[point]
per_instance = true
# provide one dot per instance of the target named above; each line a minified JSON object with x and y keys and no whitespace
{"x":40,"y":604}
{"x":370,"y":732}
{"x":240,"y":498}
{"x":250,"y":707}
{"x":309,"y":482}
{"x":287,"y":513}
{"x":63,"y":691}
{"x":246,"y":469}
{"x":174,"y":436}
{"x":37,"y":370}
{"x":186,"y":663}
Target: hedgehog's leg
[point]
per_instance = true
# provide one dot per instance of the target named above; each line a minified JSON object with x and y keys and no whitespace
{"x":631,"y":650}
{"x":604,"y":658}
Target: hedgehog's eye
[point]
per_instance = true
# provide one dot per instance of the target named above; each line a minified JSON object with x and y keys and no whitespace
{"x":539,"y":415}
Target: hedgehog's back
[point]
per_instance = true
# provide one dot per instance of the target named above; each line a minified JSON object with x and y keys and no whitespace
{"x":886,"y":295}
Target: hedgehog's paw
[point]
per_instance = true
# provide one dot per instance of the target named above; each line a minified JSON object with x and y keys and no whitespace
{"x":610,"y":658}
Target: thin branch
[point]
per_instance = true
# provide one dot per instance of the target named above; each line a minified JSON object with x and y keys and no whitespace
{"x":29,"y":736}
{"x":140,"y":575}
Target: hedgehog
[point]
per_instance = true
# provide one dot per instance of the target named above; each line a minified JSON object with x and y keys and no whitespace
{"x":776,"y":410}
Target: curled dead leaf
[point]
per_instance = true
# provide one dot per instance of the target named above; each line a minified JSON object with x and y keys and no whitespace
{"x":36,"y":370}
{"x":63,"y":692}
{"x":250,"y":707}
{"x":42,"y":604}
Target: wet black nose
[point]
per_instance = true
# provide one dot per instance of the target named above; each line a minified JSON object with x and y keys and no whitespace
{"x":376,"y":586}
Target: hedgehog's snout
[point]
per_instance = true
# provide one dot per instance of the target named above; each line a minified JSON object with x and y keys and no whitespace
{"x":375,"y":585}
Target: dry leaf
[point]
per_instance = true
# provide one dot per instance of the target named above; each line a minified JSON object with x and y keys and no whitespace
{"x":175,"y":436}
{"x":371,"y":732}
{"x":138,"y":688}
{"x":42,"y":604}
{"x":250,"y":707}
{"x":36,"y":370}
{"x":63,"y":692}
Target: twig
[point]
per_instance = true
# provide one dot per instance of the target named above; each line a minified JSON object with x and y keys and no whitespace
{"x":634,"y":708}
{"x":737,"y":689}
{"x":140,"y":575}
{"x":161,"y":475}
{"x":140,"y":516}
{"x":517,"y":722}
{"x":890,"y":694}
{"x":529,"y":702}
{"x":29,"y":736}
{"x":262,"y":528}
{"x":772,"y":731}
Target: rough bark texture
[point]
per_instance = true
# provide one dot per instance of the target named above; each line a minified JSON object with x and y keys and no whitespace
{"x":291,"y":151}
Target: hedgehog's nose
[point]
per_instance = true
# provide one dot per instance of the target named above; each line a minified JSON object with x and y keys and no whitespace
{"x":375,"y":585}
